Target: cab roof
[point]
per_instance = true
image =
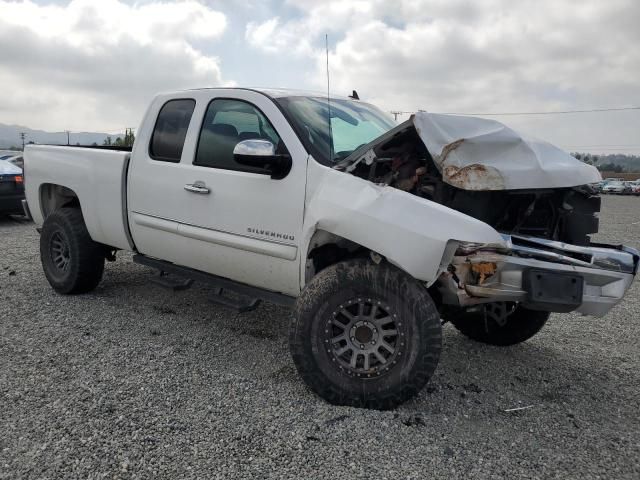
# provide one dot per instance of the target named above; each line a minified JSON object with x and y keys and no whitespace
{"x":278,"y":92}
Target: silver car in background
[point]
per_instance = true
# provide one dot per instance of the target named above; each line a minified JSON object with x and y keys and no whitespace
{"x":616,"y":187}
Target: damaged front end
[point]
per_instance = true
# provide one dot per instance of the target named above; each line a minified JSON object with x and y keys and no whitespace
{"x":483,"y":169}
{"x":538,"y":197}
{"x":540,"y":275}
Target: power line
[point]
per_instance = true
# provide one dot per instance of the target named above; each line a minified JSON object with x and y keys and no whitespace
{"x":606,"y":145}
{"x":610,"y":148}
{"x":552,"y":112}
{"x":556,"y":112}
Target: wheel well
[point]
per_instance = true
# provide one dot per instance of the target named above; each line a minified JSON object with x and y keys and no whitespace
{"x":326,"y":249}
{"x":53,"y":197}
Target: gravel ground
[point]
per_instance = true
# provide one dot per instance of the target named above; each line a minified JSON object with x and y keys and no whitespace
{"x":131,"y":381}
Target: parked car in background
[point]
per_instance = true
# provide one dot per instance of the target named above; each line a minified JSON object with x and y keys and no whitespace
{"x":617,"y":187}
{"x":635,"y":188}
{"x":628,"y":187}
{"x":16,"y":160}
{"x":598,"y":186}
{"x":11,"y":188}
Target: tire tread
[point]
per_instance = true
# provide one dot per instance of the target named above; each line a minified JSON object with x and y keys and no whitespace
{"x":521,"y":326}
{"x":87,"y":256}
{"x":381,"y":276}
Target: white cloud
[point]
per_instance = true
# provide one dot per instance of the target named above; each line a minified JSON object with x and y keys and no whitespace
{"x":95,"y":65}
{"x":491,"y":56}
{"x":85,"y":64}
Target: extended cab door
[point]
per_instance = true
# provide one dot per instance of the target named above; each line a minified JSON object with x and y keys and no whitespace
{"x":190,"y":203}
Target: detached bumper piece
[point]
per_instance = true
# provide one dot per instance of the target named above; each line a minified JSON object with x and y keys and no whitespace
{"x":542,"y":275}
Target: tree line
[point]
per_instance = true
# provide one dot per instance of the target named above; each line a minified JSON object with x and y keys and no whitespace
{"x":127,"y":141}
{"x":615,"y":162}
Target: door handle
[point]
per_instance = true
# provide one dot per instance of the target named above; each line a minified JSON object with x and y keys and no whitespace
{"x":197,"y":187}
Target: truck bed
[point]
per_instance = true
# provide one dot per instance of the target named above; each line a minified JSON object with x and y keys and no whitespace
{"x":97,"y":175}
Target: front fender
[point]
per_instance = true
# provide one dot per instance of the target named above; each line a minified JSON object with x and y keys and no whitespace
{"x":410,"y":231}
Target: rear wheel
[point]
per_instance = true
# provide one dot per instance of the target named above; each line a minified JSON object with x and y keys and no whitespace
{"x":500,"y":323}
{"x":365,"y":335}
{"x":71,"y":260}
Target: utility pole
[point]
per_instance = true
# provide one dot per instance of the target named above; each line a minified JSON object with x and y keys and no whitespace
{"x":129,"y":137}
{"x":395,"y":115}
{"x":67,"y":131}
{"x":22,"y":137}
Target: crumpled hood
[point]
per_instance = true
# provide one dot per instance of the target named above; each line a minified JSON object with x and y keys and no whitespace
{"x":478,"y":154}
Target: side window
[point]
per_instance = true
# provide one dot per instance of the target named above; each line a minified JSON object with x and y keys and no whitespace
{"x":226,"y":123}
{"x":168,"y":135}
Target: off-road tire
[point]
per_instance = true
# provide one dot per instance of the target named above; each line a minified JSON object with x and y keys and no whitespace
{"x":521,"y":325}
{"x":64,"y":230}
{"x":417,"y":342}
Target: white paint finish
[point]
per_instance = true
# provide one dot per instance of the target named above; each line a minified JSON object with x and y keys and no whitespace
{"x":409,"y":231}
{"x":154,"y":222}
{"x":263,"y":247}
{"x":253,"y":265}
{"x":511,"y":160}
{"x":96,"y":178}
{"x":248,"y":244}
{"x":239,"y":203}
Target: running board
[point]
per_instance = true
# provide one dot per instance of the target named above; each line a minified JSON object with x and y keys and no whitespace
{"x":171,"y":283}
{"x":241,"y":289}
{"x":242,"y":303}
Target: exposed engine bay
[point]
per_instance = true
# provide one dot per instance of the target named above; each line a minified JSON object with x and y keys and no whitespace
{"x":403,"y":161}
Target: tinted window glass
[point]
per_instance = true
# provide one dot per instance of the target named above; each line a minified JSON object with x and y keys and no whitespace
{"x":171,"y":129}
{"x":226,"y":123}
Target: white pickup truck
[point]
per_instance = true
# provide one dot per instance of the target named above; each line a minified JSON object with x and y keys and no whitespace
{"x":375,"y":233}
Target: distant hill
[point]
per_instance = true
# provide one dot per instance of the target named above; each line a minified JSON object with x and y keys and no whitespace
{"x":10,"y":136}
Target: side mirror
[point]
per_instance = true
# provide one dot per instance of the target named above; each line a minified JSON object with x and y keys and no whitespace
{"x":262,"y":154}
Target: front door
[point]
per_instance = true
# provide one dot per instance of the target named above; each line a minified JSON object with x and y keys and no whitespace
{"x":206,"y":211}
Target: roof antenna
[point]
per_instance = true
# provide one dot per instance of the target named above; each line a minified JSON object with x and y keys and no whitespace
{"x":326,"y":46}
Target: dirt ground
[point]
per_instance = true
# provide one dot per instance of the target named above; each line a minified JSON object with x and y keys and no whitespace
{"x":131,"y":381}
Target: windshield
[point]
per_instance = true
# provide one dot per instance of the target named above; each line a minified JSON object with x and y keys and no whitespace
{"x":353,"y":124}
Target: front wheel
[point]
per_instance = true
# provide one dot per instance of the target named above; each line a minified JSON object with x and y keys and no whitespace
{"x":71,"y":260}
{"x":365,"y":335}
{"x":500,"y":323}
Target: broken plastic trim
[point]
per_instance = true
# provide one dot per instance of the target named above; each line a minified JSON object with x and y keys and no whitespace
{"x":487,"y":275}
{"x":466,"y":248}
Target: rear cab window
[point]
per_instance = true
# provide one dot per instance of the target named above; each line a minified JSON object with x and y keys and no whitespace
{"x":167,"y":139}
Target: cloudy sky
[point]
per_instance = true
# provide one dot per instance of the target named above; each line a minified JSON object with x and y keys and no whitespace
{"x":95,"y":64}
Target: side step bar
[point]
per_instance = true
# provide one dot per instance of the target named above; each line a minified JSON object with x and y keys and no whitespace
{"x":242,"y":303}
{"x":254,"y":294}
{"x":170,"y":283}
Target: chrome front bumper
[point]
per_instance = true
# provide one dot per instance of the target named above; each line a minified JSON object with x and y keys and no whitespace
{"x":490,"y":275}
